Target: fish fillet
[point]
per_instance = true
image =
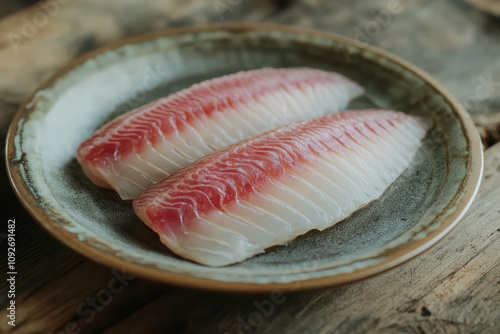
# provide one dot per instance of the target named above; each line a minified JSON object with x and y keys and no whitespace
{"x":267,"y":190}
{"x":147,"y":144}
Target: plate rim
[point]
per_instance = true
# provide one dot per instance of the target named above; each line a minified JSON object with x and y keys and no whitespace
{"x":394,"y":256}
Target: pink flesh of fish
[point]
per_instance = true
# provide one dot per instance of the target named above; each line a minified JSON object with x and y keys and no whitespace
{"x":140,"y":148}
{"x":269,"y":189}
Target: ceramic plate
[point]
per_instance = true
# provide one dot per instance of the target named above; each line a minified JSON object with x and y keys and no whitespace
{"x":420,"y":208}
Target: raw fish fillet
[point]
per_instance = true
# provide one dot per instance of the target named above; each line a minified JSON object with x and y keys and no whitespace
{"x":269,"y":189}
{"x":140,"y":148}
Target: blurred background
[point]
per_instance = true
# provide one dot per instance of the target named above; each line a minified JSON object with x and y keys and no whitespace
{"x":10,"y":6}
{"x":456,"y":41}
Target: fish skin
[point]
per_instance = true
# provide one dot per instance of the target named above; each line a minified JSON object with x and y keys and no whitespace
{"x":141,"y":147}
{"x":266,"y":190}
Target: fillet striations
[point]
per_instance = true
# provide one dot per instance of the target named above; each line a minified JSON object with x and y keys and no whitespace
{"x":139,"y":148}
{"x":267,"y":190}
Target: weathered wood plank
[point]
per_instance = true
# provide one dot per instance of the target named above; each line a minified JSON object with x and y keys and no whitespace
{"x":452,"y":40}
{"x":456,"y":43}
{"x":39,"y":56}
{"x":9,"y":7}
{"x":79,"y":298}
{"x":490,"y":6}
{"x":454,"y":287}
{"x":488,"y":126}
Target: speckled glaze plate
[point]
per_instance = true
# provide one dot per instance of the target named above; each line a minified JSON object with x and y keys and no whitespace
{"x":419,"y":209}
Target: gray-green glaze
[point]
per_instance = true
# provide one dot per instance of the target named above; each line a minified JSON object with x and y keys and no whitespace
{"x":69,"y":108}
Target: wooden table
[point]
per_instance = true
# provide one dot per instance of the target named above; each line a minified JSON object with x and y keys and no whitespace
{"x":452,"y":288}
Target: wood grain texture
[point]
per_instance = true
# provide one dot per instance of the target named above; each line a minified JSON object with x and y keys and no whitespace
{"x":451,"y":40}
{"x":488,"y":126}
{"x":454,"y":287}
{"x":490,"y":6}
